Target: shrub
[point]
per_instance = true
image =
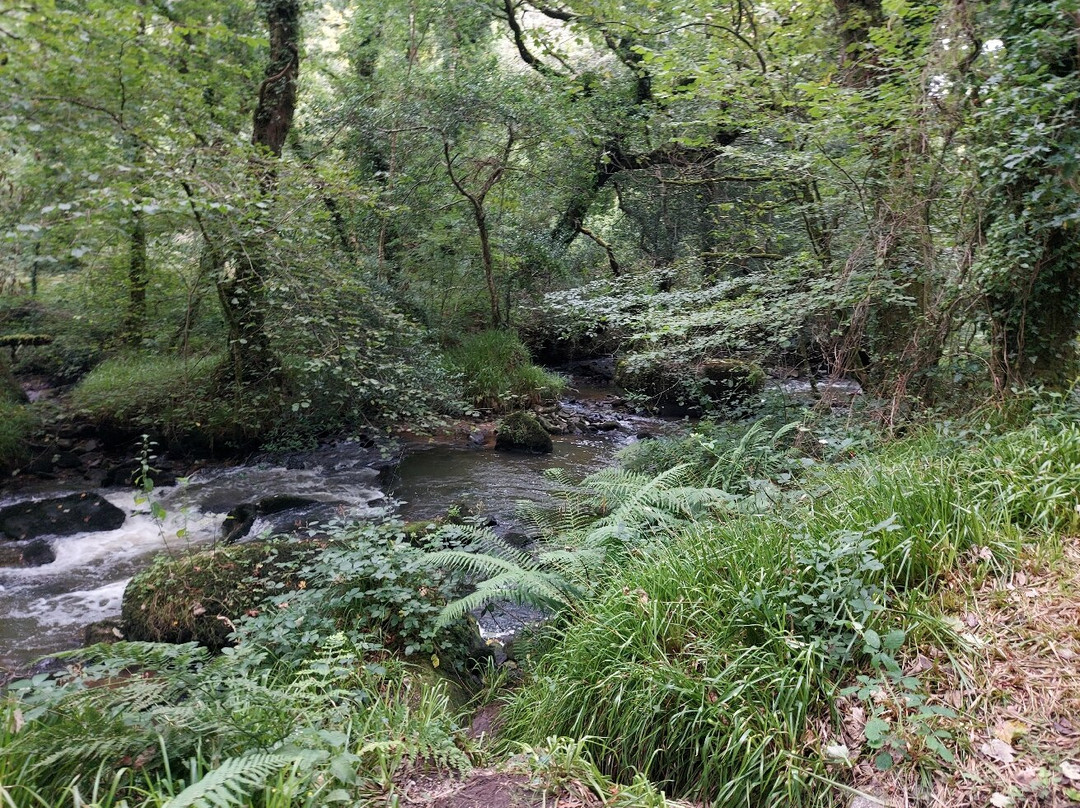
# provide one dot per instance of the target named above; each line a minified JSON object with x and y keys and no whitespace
{"x":671,"y":387}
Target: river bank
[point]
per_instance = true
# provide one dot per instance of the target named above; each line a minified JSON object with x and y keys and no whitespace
{"x":410,"y":477}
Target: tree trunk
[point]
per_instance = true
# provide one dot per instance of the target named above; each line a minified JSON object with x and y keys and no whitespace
{"x":489,"y":264}
{"x":138,"y":280}
{"x":242,"y":281}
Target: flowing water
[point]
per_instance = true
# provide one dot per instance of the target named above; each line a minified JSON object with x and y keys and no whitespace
{"x":44,"y":609}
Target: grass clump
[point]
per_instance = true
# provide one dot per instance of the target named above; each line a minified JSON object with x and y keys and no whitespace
{"x":497,"y":373}
{"x":17,"y":423}
{"x":164,"y":395}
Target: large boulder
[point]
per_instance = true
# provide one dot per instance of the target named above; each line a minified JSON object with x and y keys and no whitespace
{"x":200,"y":596}
{"x":522,"y":432}
{"x":61,"y":516}
{"x":676,"y":389}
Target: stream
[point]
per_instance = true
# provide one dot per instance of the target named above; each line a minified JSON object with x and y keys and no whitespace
{"x":45,"y":609}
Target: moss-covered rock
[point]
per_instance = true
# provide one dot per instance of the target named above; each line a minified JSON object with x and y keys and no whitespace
{"x":677,"y":389}
{"x":200,"y":596}
{"x":522,"y":432}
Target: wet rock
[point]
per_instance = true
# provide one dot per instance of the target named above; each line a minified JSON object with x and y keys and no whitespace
{"x":61,"y":516}
{"x":68,"y":460}
{"x":103,"y":632}
{"x":127,"y":475}
{"x":607,"y":426}
{"x":240,"y":520}
{"x":523,"y":432}
{"x":26,"y":554}
{"x":41,"y":465}
{"x":37,"y":553}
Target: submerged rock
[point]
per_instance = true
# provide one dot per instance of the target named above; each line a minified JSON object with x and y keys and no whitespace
{"x":35,"y":553}
{"x":61,"y":516}
{"x":523,"y":432}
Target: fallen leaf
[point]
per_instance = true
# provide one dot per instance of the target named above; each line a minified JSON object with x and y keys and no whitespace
{"x":1071,"y":769}
{"x":1063,"y":727}
{"x":1009,"y":731}
{"x":838,"y":752}
{"x":1026,"y":777}
{"x":999,"y":800}
{"x":998,"y":750}
{"x":921,"y":664}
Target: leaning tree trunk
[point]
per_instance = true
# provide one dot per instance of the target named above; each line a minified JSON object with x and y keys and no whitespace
{"x":242,"y":282}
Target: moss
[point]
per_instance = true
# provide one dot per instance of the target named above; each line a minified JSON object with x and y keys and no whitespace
{"x":522,"y":431}
{"x":200,"y":596}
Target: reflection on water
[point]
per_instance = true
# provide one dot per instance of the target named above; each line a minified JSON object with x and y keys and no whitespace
{"x":429,"y":482}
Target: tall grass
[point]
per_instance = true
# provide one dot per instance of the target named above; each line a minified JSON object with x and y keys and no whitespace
{"x":16,"y":424}
{"x":497,"y":374}
{"x":704,"y":659}
{"x":157,"y":393}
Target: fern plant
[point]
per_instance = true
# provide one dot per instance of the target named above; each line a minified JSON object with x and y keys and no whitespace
{"x":595,"y":523}
{"x":231,"y":782}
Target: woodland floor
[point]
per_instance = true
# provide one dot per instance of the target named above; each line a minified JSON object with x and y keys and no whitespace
{"x":1018,"y":702}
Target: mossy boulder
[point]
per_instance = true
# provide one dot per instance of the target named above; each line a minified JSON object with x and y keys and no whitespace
{"x":676,"y":389}
{"x":200,"y":596}
{"x":522,"y":432}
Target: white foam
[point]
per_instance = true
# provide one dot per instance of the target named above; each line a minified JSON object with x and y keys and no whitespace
{"x":76,"y":608}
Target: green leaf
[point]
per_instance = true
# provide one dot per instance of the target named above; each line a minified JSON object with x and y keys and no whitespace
{"x":894,"y":639}
{"x":875,"y":730}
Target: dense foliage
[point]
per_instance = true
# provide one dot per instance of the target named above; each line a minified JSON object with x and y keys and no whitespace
{"x":324,"y":194}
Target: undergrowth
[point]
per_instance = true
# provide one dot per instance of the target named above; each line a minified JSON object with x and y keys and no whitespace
{"x":708,"y":619}
{"x":703,"y":653}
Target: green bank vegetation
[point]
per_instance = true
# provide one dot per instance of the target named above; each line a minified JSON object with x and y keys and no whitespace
{"x":708,"y":620}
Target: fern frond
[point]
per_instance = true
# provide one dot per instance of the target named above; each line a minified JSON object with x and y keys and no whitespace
{"x":231,"y":782}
